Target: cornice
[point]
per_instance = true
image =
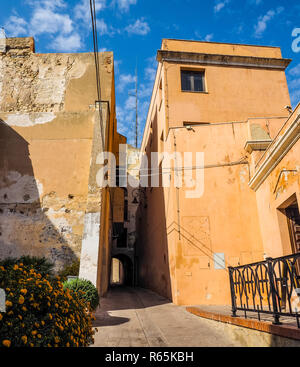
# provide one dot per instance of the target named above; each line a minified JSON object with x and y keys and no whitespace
{"x":223,"y":60}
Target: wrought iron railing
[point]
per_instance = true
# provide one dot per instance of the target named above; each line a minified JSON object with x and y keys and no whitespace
{"x":267,"y":287}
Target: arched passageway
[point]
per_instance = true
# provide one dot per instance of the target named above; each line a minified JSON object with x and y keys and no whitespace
{"x":121,"y":271}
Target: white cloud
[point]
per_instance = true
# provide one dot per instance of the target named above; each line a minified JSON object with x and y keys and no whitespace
{"x":208,"y":37}
{"x":82,"y":9}
{"x":124,"y":81}
{"x":102,"y":27}
{"x":145,"y":91}
{"x":124,"y":5}
{"x":295,"y":70}
{"x":294,"y":83}
{"x":16,"y":26}
{"x":130,"y":103}
{"x":126,"y":121}
{"x":263,"y":21}
{"x":150,"y":73}
{"x":48,"y":4}
{"x":220,"y":5}
{"x":295,"y":97}
{"x":139,"y":27}
{"x":44,"y":20}
{"x":69,"y":43}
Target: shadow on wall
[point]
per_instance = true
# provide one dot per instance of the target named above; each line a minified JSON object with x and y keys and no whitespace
{"x":152,"y":242}
{"x":25,"y":228}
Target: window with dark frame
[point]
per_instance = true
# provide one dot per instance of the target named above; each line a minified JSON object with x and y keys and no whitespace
{"x":126,"y":210}
{"x":192,"y":81}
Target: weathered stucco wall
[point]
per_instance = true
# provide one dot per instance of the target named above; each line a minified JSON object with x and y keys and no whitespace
{"x":181,"y":239}
{"x":47,"y":119}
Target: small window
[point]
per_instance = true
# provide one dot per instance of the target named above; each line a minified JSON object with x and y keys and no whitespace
{"x":126,"y":210}
{"x":192,"y":81}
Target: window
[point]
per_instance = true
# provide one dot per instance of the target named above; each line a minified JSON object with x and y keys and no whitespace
{"x":192,"y":81}
{"x":120,"y":233}
{"x":126,"y":210}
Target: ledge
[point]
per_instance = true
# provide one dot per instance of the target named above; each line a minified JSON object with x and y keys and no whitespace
{"x":253,"y":145}
{"x":223,"y":60}
{"x":285,"y":331}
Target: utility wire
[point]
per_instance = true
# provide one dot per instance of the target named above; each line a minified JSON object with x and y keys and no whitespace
{"x":98,"y":84}
{"x":97,"y":66}
{"x":175,"y":169}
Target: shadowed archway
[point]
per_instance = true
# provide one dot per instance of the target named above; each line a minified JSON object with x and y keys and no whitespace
{"x":121,"y":271}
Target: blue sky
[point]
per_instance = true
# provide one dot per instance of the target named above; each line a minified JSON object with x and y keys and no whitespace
{"x":133,"y":29}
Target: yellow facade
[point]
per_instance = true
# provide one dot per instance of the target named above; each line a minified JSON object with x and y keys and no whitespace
{"x":51,"y":131}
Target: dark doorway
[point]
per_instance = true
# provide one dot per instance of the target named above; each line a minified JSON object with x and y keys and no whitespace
{"x":293,"y":216}
{"x":121,"y":271}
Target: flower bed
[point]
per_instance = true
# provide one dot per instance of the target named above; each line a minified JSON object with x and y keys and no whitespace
{"x":40,"y":313}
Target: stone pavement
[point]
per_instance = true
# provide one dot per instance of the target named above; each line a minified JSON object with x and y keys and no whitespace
{"x":140,"y":318}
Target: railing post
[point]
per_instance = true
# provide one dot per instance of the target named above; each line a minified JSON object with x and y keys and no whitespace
{"x":273,"y":291}
{"x":233,"y":299}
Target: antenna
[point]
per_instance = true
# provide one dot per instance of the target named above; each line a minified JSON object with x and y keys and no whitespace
{"x":136,"y":107}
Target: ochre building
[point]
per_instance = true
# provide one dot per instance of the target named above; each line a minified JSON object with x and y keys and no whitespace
{"x":231,"y":102}
{"x":52,"y":128}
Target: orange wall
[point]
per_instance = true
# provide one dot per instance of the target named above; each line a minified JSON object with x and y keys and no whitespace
{"x":178,"y":237}
{"x":276,"y":192}
{"x":233,"y":94}
{"x":221,"y":48}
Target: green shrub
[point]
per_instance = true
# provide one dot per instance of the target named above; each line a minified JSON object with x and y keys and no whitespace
{"x":39,"y":264}
{"x":89,"y":292}
{"x":40,"y":313}
{"x":71,"y":269}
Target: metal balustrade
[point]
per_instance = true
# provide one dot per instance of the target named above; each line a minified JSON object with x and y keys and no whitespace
{"x":267,"y":287}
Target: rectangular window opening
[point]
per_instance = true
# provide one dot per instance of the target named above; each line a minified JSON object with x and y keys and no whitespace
{"x":192,"y":81}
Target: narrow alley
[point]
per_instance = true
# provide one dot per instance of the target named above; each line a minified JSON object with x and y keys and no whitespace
{"x":135,"y":317}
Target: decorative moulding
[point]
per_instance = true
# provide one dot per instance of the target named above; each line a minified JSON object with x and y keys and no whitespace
{"x":224,"y":60}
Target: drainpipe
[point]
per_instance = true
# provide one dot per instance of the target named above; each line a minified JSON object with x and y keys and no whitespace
{"x":175,"y":145}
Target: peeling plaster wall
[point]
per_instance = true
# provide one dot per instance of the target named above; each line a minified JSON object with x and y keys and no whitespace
{"x":37,"y":83}
{"x":47,"y":119}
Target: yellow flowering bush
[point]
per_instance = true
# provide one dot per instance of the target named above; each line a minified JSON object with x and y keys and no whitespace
{"x":40,"y":313}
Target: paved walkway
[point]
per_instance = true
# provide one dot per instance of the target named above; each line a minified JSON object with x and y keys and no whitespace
{"x":140,"y":318}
